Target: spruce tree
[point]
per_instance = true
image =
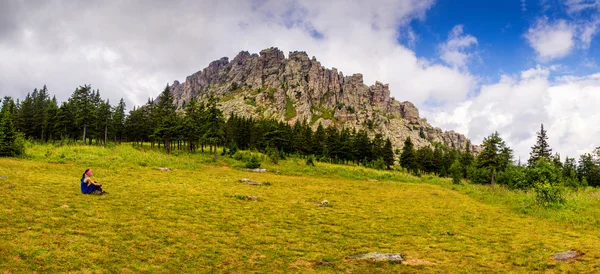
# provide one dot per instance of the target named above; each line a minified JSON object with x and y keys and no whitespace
{"x":213,"y":127}
{"x":118,"y":121}
{"x":165,"y":119}
{"x":408,"y":158}
{"x":9,"y":145}
{"x":495,"y":155}
{"x":541,"y":149}
{"x":388,"y":154}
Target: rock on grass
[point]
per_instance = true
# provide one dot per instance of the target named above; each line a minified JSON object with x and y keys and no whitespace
{"x":378,"y":257}
{"x":567,"y":255}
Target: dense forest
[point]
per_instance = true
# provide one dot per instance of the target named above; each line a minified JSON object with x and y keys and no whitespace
{"x":86,"y":118}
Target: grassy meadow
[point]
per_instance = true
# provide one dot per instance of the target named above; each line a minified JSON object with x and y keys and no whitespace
{"x":198,"y":218}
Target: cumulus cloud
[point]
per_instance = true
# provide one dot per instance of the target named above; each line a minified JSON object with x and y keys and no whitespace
{"x":454,"y":50}
{"x":551,"y":40}
{"x":132,"y":49}
{"x":516,"y":105}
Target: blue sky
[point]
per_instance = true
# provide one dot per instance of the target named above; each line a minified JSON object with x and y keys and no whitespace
{"x":499,"y":27}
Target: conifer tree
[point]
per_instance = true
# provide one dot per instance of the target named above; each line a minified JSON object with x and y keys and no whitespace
{"x":408,"y":158}
{"x":541,"y":149}
{"x":165,"y":119}
{"x":213,"y":127}
{"x":388,"y":154}
{"x":118,"y":121}
{"x":495,"y":155}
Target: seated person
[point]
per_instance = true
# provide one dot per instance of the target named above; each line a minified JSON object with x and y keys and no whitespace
{"x":89,"y":186}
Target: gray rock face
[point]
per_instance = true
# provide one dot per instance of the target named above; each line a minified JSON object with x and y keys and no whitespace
{"x":298,"y":88}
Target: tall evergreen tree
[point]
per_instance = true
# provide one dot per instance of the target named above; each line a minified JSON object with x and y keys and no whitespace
{"x":495,"y":155}
{"x":408,"y":157}
{"x":118,"y":121}
{"x":541,"y":149}
{"x":388,"y":154}
{"x":165,"y":119}
{"x":213,"y":128}
{"x":9,"y":145}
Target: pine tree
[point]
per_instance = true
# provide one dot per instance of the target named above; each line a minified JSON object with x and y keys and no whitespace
{"x":318,"y":142}
{"x":408,"y":158}
{"x":213,"y":128}
{"x":541,"y":149}
{"x":165,"y":119}
{"x":9,"y":144}
{"x":118,"y":121}
{"x":495,"y":155}
{"x":466,"y":158}
{"x":388,"y":154}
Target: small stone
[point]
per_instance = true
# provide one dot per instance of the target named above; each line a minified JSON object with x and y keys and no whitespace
{"x":11,"y":186}
{"x":379,"y":257}
{"x":164,"y":169}
{"x":3,"y":177}
{"x":28,"y":228}
{"x":64,"y":206}
{"x":567,"y":255}
{"x":250,"y":182}
{"x":252,"y":198}
{"x":324,"y":203}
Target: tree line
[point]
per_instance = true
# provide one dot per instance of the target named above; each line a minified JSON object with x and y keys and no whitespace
{"x":495,"y":165}
{"x":87,"y":118}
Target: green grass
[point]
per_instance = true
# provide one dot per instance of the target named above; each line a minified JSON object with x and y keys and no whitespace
{"x":290,"y":110}
{"x":200,"y":218}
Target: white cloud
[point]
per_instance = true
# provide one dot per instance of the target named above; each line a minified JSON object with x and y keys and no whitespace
{"x":515,"y":106}
{"x":551,"y":40}
{"x":454,"y":50}
{"x":132,"y":49}
{"x":587,"y":32}
{"x":576,"y":6}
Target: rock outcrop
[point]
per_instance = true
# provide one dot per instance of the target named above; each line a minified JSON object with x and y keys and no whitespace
{"x":299,"y":88}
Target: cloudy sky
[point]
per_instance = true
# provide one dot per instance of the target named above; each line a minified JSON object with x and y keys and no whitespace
{"x":469,"y":65}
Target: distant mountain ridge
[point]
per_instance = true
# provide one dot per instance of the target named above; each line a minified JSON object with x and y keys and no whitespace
{"x":298,"y":88}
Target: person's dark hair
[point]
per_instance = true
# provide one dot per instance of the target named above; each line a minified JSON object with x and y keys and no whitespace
{"x":83,"y":176}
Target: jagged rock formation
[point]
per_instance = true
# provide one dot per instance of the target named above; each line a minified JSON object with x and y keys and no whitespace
{"x":298,"y":88}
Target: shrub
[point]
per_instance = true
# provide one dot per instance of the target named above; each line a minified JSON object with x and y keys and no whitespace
{"x":514,"y":178}
{"x":456,"y":172}
{"x":310,"y":160}
{"x":543,"y":171}
{"x":478,"y":175}
{"x":253,"y":162}
{"x":547,"y":194}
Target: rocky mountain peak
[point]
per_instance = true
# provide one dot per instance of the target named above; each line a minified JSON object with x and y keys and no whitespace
{"x":299,"y":88}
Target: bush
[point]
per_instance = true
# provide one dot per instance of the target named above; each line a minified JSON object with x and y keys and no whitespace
{"x":253,"y":162}
{"x":310,"y":160}
{"x":232,"y":149}
{"x":378,"y":164}
{"x":514,"y":178}
{"x":547,"y":194}
{"x":456,"y":172}
{"x":479,"y":175}
{"x":543,"y":171}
